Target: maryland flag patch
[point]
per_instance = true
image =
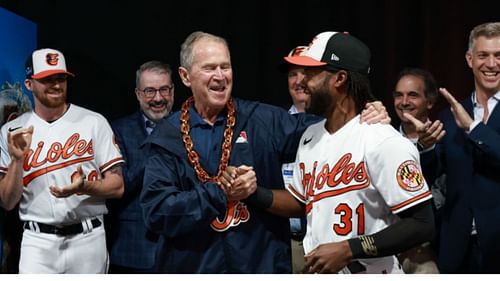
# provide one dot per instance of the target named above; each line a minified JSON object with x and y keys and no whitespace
{"x":409,"y":176}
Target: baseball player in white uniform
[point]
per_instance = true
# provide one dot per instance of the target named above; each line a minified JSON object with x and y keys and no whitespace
{"x":70,"y":166}
{"x":360,"y":185}
{"x":354,"y":182}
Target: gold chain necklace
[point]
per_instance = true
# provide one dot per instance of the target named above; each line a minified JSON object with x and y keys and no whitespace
{"x":193,"y":156}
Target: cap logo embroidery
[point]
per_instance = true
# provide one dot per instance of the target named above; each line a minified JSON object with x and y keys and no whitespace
{"x":298,"y":51}
{"x":52,"y":59}
{"x":312,"y":42}
{"x":334,"y":57}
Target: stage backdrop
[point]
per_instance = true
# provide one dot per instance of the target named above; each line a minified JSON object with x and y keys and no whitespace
{"x":17,"y":40}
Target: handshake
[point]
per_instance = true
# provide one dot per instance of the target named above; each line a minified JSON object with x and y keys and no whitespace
{"x":238,"y":182}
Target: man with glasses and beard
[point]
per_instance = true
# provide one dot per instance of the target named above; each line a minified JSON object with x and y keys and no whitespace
{"x":132,"y":246}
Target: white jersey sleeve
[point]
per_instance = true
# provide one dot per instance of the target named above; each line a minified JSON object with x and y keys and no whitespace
{"x":394,"y":168}
{"x":107,"y":152}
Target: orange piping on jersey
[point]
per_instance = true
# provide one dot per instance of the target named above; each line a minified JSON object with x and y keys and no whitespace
{"x":292,"y":190}
{"x":336,"y":192}
{"x":110,"y":163}
{"x":309,"y":207}
{"x":409,"y":201}
{"x":27,"y":179}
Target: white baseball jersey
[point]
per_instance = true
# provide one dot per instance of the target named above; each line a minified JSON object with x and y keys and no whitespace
{"x":354,"y":181}
{"x":79,"y":137}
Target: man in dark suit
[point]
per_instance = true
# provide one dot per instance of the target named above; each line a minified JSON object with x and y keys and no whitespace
{"x":469,"y":154}
{"x":416,"y":93}
{"x":132,"y":247}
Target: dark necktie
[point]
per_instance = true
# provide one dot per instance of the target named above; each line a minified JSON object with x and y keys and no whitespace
{"x":150,"y":125}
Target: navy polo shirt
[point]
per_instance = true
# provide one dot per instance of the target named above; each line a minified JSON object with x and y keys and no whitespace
{"x":207,"y":139}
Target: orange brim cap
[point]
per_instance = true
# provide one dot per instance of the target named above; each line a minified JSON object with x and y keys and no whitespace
{"x":47,"y":73}
{"x":304,"y":61}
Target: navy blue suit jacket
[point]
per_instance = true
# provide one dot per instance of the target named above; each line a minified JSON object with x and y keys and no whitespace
{"x":472,"y":164}
{"x":129,"y":242}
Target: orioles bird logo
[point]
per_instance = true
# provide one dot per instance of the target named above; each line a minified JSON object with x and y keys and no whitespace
{"x":298,"y":51}
{"x":52,"y":59}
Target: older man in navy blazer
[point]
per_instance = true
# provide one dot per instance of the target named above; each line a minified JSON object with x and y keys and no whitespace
{"x":470,"y":156}
{"x":132,"y":247}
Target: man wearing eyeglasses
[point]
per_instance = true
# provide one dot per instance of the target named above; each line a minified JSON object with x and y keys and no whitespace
{"x":132,"y":247}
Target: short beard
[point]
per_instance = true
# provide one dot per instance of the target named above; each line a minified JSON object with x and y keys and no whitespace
{"x":321,"y":101}
{"x":156,"y":116}
{"x":51,"y":102}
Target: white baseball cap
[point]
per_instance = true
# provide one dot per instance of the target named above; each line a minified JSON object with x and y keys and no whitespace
{"x":46,"y":62}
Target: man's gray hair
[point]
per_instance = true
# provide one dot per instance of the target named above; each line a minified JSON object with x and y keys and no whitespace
{"x":186,"y":56}
{"x":153,"y":66}
{"x":488,"y":30}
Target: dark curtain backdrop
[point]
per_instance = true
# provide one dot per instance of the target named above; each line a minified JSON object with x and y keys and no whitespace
{"x":105,"y":41}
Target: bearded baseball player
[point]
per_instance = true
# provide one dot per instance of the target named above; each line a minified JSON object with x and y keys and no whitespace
{"x":360,"y":185}
{"x":61,"y":164}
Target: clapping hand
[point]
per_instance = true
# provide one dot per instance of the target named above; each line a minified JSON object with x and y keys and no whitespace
{"x":462,"y":118}
{"x":429,"y":133}
{"x":76,"y":185}
{"x":19,"y":142}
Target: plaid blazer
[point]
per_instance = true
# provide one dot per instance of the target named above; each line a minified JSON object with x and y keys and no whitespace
{"x":129,"y":242}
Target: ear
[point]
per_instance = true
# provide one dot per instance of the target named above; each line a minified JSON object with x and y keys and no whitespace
{"x":137,"y":94}
{"x":28,"y":84}
{"x":430,"y":104}
{"x":184,"y":74}
{"x":468,"y":58}
{"x":340,"y":78}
